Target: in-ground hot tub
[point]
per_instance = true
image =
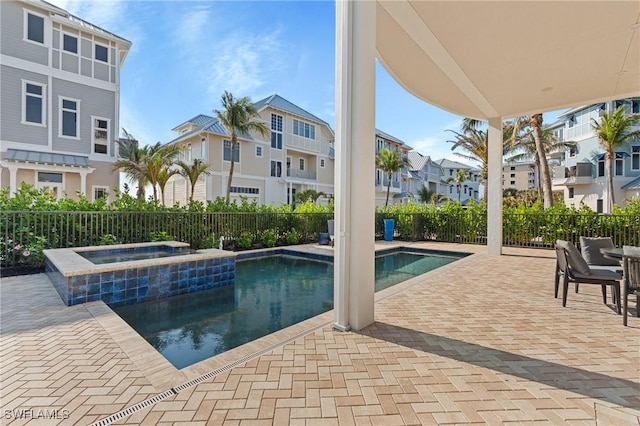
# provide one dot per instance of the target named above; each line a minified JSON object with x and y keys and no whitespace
{"x":125,"y":274}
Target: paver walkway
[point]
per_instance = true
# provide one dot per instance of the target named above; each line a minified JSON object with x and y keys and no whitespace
{"x":480,"y":341}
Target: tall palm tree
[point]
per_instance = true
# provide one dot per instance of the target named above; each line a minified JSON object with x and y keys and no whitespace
{"x":428,"y":196}
{"x":535,"y":122}
{"x":130,"y":156}
{"x":390,"y":161}
{"x":614,"y":130}
{"x":461,"y":177}
{"x":526,"y":144}
{"x":475,"y":145}
{"x":159,"y":158}
{"x":238,"y":116}
{"x":192,"y":172}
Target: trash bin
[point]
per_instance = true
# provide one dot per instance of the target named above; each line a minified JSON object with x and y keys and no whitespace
{"x":389,"y":224}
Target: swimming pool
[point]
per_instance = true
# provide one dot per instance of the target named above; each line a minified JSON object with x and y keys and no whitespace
{"x":270,"y":293}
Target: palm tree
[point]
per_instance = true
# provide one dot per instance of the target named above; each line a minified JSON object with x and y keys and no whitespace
{"x":475,"y":144}
{"x":238,"y":116}
{"x":614,"y":130}
{"x":535,"y":122}
{"x":158,"y":158}
{"x":163,"y":177}
{"x":526,"y":144}
{"x":192,"y":172}
{"x":390,"y":161}
{"x":130,"y":156}
{"x":428,"y":196}
{"x":309,"y":195}
{"x":460,"y":178}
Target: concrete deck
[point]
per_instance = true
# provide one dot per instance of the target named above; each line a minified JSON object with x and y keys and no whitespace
{"x":481,"y":340}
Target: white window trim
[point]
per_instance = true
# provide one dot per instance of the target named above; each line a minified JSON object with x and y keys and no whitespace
{"x":301,"y":164}
{"x":25,"y":28}
{"x":99,"y":61}
{"x":323,"y":163}
{"x":93,"y":191}
{"x":632,"y":154}
{"x":203,"y":149}
{"x":62,"y":34}
{"x":261,"y":151}
{"x":23,"y":119}
{"x":60,"y":110}
{"x":281,"y":168}
{"x":615,"y":167}
{"x":231,"y":151}
{"x":93,"y":134}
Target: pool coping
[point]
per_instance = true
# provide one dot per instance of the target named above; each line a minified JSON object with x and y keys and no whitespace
{"x":163,"y":375}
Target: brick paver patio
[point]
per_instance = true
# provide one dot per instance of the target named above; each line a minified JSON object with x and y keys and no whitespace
{"x":481,"y":340}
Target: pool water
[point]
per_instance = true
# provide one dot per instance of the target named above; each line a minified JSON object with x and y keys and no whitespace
{"x":100,"y":257}
{"x":269,"y":294}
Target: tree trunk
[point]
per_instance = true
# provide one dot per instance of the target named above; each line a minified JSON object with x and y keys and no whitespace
{"x":535,"y":121}
{"x":386,"y":204}
{"x":609,"y":156}
{"x":234,"y":142}
{"x":193,"y":187}
{"x":141,"y":192}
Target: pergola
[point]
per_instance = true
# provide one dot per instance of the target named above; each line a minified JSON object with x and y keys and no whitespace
{"x":488,"y":60}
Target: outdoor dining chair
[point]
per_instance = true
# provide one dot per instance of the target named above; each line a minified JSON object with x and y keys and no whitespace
{"x":631,"y":280}
{"x":571,"y":266}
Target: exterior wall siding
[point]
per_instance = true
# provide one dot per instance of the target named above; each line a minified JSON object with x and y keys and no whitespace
{"x":12,"y":31}
{"x":11,"y":128}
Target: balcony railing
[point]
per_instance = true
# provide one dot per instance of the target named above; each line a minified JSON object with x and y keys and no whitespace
{"x":301,"y":174}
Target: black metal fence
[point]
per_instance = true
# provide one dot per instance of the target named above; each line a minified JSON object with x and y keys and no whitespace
{"x":31,"y":231}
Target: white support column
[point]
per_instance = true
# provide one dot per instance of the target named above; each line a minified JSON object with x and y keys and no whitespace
{"x":83,"y":182}
{"x":355,"y":164}
{"x":13,"y":179}
{"x":494,"y":201}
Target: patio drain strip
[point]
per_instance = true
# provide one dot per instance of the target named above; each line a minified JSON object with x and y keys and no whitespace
{"x":176,"y":390}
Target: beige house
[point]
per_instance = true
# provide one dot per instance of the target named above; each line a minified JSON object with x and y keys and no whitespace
{"x":398,"y":191}
{"x":296,"y":155}
{"x":59,"y":110}
{"x":521,"y":176}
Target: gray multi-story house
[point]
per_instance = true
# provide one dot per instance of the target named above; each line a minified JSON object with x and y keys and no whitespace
{"x":424,"y":173}
{"x":468,"y":190}
{"x":581,"y":172}
{"x":398,"y":190}
{"x":59,"y":110}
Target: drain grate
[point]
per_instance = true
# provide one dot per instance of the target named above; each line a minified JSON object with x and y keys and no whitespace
{"x":133,"y":409}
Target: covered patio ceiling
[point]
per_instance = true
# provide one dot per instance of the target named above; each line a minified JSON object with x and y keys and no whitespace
{"x":484,"y":59}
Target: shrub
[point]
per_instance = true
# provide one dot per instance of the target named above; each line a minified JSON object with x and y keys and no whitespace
{"x":108,"y":240}
{"x":292,"y":237}
{"x":245,"y":240}
{"x":161,"y":236}
{"x":268,"y":238}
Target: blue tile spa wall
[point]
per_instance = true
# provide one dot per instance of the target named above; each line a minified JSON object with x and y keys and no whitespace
{"x":129,"y":286}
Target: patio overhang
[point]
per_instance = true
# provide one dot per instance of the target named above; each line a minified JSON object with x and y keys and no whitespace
{"x":487,"y":60}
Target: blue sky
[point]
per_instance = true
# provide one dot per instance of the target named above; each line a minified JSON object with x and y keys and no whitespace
{"x":186,"y":53}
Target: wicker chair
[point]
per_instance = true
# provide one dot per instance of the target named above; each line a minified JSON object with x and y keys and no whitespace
{"x":631,"y":281}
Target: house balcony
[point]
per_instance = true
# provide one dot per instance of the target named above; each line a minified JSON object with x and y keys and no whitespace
{"x":301,"y":174}
{"x":580,"y":174}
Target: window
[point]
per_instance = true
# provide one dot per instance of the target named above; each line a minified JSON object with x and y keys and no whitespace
{"x":302,"y":164}
{"x":35,"y":28}
{"x":513,"y":168}
{"x":99,"y":192}
{"x":451,"y":190}
{"x":69,"y":43}
{"x":100,"y":132}
{"x":49,"y":177}
{"x":572,"y":152}
{"x":572,"y":121}
{"x":450,"y":172}
{"x":513,"y":182}
{"x":303,"y":129}
{"x":276,"y":131}
{"x":635,"y":157}
{"x":69,"y":118}
{"x":203,"y":148}
{"x":322,"y":163}
{"x":226,"y":153}
{"x":513,"y":175}
{"x":245,"y":190}
{"x":101,"y":53}
{"x":599,"y":206}
{"x":635,"y":107}
{"x":187,"y":153}
{"x":276,"y":168}
{"x":619,"y":167}
{"x":601,"y":168}
{"x":571,"y":192}
{"x":258,"y":151}
{"x":288,"y":163}
{"x":33,"y":107}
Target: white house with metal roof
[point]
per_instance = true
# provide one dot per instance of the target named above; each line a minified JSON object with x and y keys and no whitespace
{"x":399,"y":189}
{"x":424,"y":172}
{"x":581,"y":174}
{"x":59,"y":110}
{"x":297,"y":155}
{"x":467,"y":190}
